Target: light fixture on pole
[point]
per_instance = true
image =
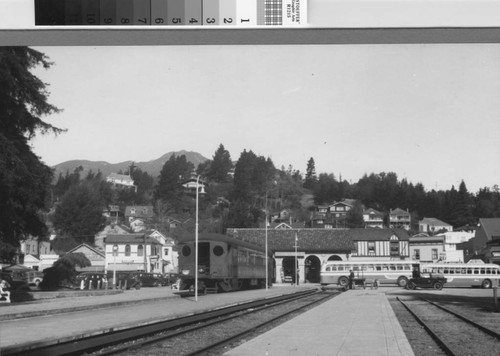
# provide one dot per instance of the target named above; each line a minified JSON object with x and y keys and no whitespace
{"x":296,"y":262}
{"x":267,"y":268}
{"x":196,"y":245}
{"x":115,"y":252}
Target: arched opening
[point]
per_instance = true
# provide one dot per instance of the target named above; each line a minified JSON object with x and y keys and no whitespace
{"x":312,"y":269}
{"x":287,"y":270}
{"x":334,"y":258}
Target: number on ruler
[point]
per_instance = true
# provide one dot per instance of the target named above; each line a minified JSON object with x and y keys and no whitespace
{"x":108,"y":20}
{"x":193,"y":20}
{"x":210,"y":20}
{"x":143,"y":20}
{"x":228,"y":20}
{"x":177,"y":20}
{"x":159,"y":20}
{"x":125,"y":20}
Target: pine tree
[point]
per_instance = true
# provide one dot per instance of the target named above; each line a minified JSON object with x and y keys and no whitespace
{"x":24,"y":178}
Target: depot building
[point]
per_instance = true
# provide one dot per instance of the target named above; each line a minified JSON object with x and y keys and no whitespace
{"x":311,"y":248}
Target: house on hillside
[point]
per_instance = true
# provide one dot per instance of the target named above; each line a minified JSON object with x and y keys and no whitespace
{"x":399,"y":219}
{"x":111,"y":229}
{"x":121,"y":181}
{"x":332,"y":216}
{"x":143,"y":212}
{"x":190,"y":185}
{"x":432,"y":226}
{"x":373,"y":218}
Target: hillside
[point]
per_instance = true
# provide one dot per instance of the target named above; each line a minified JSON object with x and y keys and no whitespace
{"x":152,"y":167}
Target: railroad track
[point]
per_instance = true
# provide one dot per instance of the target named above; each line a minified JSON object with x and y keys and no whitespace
{"x":120,"y":341}
{"x":454,"y":333}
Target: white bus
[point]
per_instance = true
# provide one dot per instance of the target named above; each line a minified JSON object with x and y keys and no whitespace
{"x":385,"y":272}
{"x":483,"y":275}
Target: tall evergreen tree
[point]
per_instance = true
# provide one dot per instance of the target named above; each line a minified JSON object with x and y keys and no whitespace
{"x":310,"y":178}
{"x":220,"y":166}
{"x":24,"y":178}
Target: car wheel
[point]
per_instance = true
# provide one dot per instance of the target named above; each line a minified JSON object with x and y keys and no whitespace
{"x":343,"y":281}
{"x":411,"y":285}
{"x":138,"y":286}
{"x":438,"y":285}
{"x":486,"y":284}
{"x":402,"y":281}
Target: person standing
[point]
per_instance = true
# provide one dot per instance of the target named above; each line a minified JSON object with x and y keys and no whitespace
{"x":4,"y":293}
{"x":351,"y":279}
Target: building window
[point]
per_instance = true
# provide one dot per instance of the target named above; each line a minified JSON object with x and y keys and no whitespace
{"x":371,"y":248}
{"x":140,"y":250}
{"x":165,"y":252}
{"x":434,"y":254}
{"x":417,"y":254}
{"x":127,"y":250}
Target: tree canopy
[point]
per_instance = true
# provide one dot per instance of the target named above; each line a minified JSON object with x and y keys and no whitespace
{"x":24,"y":178}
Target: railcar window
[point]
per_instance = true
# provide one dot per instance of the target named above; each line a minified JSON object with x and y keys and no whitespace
{"x":186,"y":251}
{"x":218,"y":250}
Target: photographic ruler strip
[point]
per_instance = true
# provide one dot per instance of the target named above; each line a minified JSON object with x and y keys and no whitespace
{"x":239,"y":13}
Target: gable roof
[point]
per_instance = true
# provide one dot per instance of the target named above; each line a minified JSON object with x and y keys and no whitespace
{"x":131,"y":239}
{"x":82,"y":247}
{"x":491,"y":227}
{"x":433,"y":222}
{"x":398,"y":211}
{"x":371,"y":211}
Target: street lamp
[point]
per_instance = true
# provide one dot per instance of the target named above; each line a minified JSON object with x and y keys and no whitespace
{"x":115,"y":252}
{"x":196,"y":244}
{"x":267,"y":268}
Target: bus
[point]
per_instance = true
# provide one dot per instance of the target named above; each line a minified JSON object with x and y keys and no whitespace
{"x":385,"y":272}
{"x":485,"y":275}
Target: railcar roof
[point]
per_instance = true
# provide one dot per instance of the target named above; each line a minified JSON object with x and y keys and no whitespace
{"x":222,"y":238}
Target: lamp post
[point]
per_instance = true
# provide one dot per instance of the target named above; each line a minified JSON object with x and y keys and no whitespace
{"x":196,"y":245}
{"x":267,"y":268}
{"x":115,"y":252}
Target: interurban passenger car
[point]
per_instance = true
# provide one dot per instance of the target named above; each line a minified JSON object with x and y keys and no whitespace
{"x":224,"y":264}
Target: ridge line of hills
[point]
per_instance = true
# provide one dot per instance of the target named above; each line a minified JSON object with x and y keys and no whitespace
{"x":152,"y":167}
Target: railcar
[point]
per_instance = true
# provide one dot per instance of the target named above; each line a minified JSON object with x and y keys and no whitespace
{"x":224,"y":264}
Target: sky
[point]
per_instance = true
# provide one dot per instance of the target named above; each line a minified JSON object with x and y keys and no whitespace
{"x":428,"y":112}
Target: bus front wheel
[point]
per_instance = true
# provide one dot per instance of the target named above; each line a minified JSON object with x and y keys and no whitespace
{"x":343,"y":281}
{"x":486,"y":284}
{"x":402,"y":281}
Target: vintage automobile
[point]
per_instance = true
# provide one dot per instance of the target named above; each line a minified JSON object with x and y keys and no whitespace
{"x":435,"y":282}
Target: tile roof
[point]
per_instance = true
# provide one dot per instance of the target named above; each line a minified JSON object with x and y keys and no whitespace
{"x":491,"y":226}
{"x":308,"y":239}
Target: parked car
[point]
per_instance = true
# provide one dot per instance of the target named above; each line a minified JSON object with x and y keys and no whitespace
{"x":34,"y":277}
{"x":146,"y":279}
{"x":171,"y":277}
{"x":435,"y":282}
{"x":125,"y":280}
{"x":16,"y":284}
{"x":91,"y":280}
{"x":162,"y":279}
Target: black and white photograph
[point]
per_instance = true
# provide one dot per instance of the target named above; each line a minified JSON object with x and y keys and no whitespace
{"x":272,"y":177}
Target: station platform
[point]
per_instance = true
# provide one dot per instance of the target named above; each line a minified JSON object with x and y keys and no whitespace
{"x":355,"y":323}
{"x":42,"y":321}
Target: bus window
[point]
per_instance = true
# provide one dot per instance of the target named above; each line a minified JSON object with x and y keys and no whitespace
{"x":464,"y":271}
{"x":488,"y":271}
{"x":385,"y":268}
{"x":482,"y":270}
{"x":378,"y":268}
{"x":369,"y":268}
{"x":469,"y":270}
{"x":328,"y":269}
{"x":392,"y":267}
{"x":340,"y":268}
{"x":407,"y":267}
{"x":355,"y":268}
{"x":399,"y":267}
{"x":446,"y":271}
{"x":476,"y":271}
